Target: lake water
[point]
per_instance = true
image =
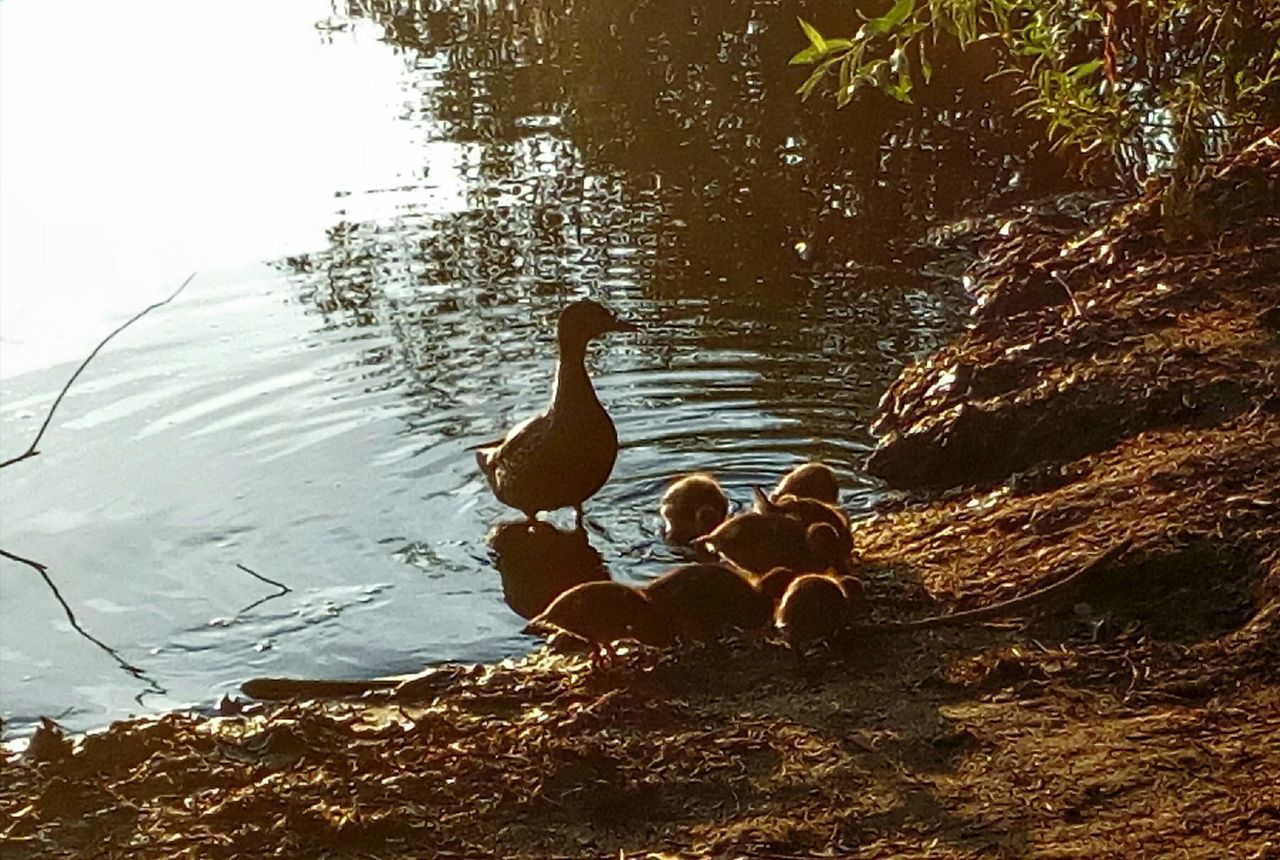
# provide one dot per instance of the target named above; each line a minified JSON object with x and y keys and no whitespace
{"x":387,"y":204}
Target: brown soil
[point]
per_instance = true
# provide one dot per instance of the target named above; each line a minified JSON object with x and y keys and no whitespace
{"x":1119,"y":386}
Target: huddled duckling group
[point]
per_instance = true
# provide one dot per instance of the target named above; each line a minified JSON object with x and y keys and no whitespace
{"x":786,"y":561}
{"x":785,"y":564}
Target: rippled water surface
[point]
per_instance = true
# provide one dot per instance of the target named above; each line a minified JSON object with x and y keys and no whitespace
{"x":388,"y":204}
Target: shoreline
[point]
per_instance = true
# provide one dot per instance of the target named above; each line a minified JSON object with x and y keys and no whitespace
{"x":1120,"y":385}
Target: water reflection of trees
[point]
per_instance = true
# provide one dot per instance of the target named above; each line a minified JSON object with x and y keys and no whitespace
{"x":651,"y":153}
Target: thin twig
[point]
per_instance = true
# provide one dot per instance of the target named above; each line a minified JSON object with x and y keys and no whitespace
{"x":31,"y":452}
{"x":284,"y":589}
{"x":152,"y":686}
{"x":1066,"y":289}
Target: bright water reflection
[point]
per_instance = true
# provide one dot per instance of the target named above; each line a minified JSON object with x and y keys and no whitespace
{"x":475,"y":167}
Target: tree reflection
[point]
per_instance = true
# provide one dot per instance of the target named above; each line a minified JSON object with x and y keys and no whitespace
{"x":654,"y":157}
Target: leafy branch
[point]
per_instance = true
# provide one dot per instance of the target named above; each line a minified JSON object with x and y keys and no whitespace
{"x":1147,"y":85}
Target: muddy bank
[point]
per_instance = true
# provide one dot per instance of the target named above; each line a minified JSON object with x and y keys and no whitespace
{"x":1118,"y":385}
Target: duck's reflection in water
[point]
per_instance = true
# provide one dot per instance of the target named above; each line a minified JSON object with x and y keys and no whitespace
{"x":538,"y":562}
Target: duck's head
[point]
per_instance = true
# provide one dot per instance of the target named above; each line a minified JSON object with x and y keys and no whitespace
{"x":584,"y":320}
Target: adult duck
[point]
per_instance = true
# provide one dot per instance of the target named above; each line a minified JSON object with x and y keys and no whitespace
{"x":563,"y":456}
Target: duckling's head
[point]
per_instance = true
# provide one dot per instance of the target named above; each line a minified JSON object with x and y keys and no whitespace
{"x":856,"y":595}
{"x":773,"y":584}
{"x":754,"y":542}
{"x":584,"y":320}
{"x":809,"y":481}
{"x":814,"y":608}
{"x":828,"y":547}
{"x":691,"y":507}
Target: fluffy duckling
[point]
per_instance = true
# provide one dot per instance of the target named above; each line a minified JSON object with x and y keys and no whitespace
{"x":758,"y":542}
{"x":563,"y":456}
{"x":811,"y":512}
{"x":602,"y":613}
{"x":692,"y":506}
{"x":809,"y":481}
{"x":703,"y":601}
{"x":815,"y":607}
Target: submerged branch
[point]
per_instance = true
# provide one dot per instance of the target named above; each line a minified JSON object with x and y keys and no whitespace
{"x":31,"y":451}
{"x":284,"y":589}
{"x":152,"y":686}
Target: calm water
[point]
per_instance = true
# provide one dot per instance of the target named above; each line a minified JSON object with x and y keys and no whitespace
{"x":387,"y":205}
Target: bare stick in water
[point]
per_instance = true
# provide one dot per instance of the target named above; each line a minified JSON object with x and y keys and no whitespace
{"x":31,"y":452}
{"x":152,"y":686}
{"x":284,"y":589}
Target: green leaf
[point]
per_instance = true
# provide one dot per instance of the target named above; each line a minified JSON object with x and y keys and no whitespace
{"x":900,"y":12}
{"x":892,"y":19}
{"x":901,"y":62}
{"x":1085,"y":69}
{"x":806,"y":89}
{"x":806,"y":57}
{"x":926,"y":68}
{"x":815,"y":38}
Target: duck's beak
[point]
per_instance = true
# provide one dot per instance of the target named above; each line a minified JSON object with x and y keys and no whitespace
{"x":622,"y":325}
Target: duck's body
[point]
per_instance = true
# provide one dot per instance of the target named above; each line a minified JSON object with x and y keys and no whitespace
{"x":809,"y":481}
{"x":602,"y":613}
{"x":691,"y":507}
{"x":703,"y":601}
{"x":563,"y":456}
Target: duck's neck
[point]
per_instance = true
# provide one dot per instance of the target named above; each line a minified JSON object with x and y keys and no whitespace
{"x":572,"y":386}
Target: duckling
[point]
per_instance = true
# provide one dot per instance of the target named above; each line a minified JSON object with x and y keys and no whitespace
{"x":815,"y":607}
{"x":602,"y":613}
{"x":809,"y":481}
{"x":692,"y":506}
{"x":758,"y":543}
{"x":563,"y":456}
{"x":702,"y":601}
{"x":838,"y":543}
